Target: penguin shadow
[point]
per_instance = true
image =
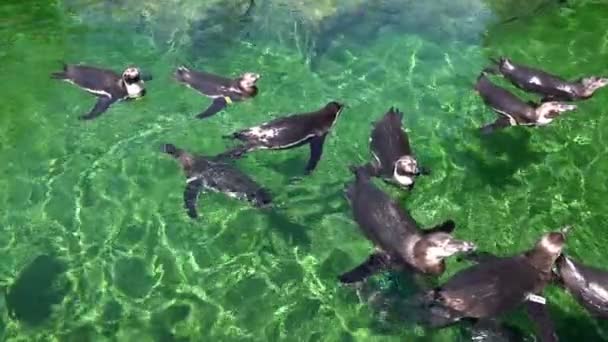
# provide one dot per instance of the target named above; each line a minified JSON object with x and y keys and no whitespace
{"x":290,"y":231}
{"x":293,"y":167}
{"x":220,"y":26}
{"x":578,"y":327}
{"x":502,"y":154}
{"x":294,"y":232}
{"x":332,"y":193}
{"x":41,"y":285}
{"x":395,"y":300}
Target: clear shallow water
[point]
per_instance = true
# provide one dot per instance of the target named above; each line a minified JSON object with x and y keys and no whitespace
{"x":102,"y":200}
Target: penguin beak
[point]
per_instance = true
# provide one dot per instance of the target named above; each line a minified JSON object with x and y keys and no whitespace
{"x":565,"y":230}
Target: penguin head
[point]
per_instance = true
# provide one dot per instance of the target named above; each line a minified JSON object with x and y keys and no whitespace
{"x":504,"y":63}
{"x":406,"y":169}
{"x":440,"y":245}
{"x":134,"y":85}
{"x":553,"y":242}
{"x":593,"y":83}
{"x":335,"y":106}
{"x":131,"y":75}
{"x":248,"y":80}
{"x":553,"y":109}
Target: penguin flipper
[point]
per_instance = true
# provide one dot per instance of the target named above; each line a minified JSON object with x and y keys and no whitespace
{"x":375,"y":263}
{"x":539,"y":314}
{"x":218,"y":104}
{"x":102,"y":104}
{"x":193,"y":189}
{"x":548,"y":98}
{"x":316,"y":150}
{"x":500,"y":123}
{"x":445,"y":227}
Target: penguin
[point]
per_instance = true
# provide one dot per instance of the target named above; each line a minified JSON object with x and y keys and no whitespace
{"x":498,"y":285}
{"x":222,"y":90}
{"x":108,"y":86}
{"x":393,"y":159}
{"x":513,"y":111}
{"x":289,"y":132}
{"x":551,"y":87}
{"x":214,"y":174}
{"x":589,"y":285}
{"x":397,"y":237}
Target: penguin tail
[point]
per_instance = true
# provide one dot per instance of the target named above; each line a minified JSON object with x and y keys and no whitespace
{"x":61,"y":75}
{"x":230,"y":136}
{"x":181,"y":73}
{"x":361,"y":171}
{"x":170,"y":149}
{"x":234,"y":153}
{"x":494,"y":69}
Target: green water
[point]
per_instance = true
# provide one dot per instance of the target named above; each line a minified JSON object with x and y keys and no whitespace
{"x":126,"y":263}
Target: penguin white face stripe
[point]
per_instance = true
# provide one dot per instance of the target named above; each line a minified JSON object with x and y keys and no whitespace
{"x":507,"y":64}
{"x":135,"y":89}
{"x":549,"y":246}
{"x":405,"y":180}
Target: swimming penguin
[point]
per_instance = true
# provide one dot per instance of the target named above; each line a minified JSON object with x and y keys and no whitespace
{"x":290,"y":131}
{"x":551,"y":87}
{"x":512,"y":111}
{"x":589,"y":285}
{"x":397,"y":237}
{"x":498,"y":285}
{"x":108,"y":86}
{"x":393,"y":160}
{"x":211,"y":173}
{"x":222,"y":90}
